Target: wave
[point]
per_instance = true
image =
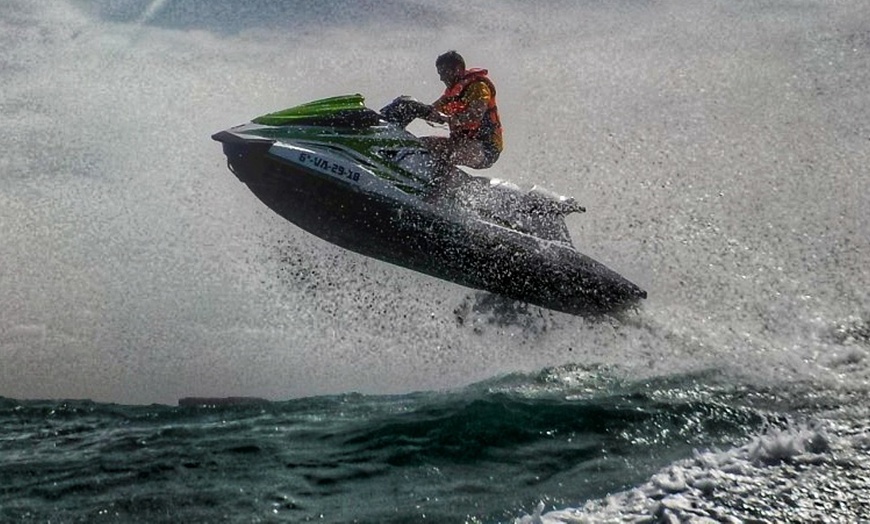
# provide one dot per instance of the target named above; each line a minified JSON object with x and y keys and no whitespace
{"x":575,"y":437}
{"x":795,"y":474}
{"x":573,"y":433}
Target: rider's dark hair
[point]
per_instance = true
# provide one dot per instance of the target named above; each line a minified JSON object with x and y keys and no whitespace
{"x":450,"y":59}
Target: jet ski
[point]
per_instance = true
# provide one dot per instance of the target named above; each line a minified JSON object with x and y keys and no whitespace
{"x":357,"y":178}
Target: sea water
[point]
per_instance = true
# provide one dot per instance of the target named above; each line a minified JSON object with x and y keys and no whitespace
{"x":720,"y":148}
{"x":484,"y":453}
{"x":635,"y":451}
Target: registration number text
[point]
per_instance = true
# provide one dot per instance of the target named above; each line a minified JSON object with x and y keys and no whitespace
{"x":328,"y":167}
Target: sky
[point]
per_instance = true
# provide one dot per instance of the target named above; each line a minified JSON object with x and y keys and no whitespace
{"x":720,"y":149}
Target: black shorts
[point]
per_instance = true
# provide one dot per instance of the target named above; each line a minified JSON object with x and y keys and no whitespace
{"x":491,"y":151}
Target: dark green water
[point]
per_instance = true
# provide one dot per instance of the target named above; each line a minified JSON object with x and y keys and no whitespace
{"x":485,"y":453}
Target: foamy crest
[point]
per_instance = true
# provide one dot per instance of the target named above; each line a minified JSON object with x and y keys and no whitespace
{"x":799,"y":473}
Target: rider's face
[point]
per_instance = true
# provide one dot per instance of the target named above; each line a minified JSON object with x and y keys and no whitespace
{"x":448,"y":75}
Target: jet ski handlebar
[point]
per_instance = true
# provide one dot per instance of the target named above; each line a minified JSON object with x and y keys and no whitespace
{"x":404,"y":109}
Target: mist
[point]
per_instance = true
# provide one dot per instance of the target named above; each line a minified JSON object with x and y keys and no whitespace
{"x":721,"y":149}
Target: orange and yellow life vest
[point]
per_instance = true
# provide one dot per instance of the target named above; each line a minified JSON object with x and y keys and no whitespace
{"x":454,"y":102}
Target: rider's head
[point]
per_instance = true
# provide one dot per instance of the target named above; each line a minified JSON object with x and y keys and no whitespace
{"x":451,"y":67}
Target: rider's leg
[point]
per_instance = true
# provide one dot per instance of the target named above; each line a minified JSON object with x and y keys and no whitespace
{"x":470,"y":153}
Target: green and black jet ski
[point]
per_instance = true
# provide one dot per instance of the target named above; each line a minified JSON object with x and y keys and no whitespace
{"x":356,"y":178}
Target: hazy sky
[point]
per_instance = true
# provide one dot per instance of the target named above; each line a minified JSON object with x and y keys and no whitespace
{"x":721,"y":149}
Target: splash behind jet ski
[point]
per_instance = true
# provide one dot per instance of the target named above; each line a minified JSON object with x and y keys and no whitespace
{"x":356,"y":178}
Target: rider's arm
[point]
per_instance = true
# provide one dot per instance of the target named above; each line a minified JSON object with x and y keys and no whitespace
{"x":476,"y":98}
{"x":436,"y":115}
{"x":473,"y":113}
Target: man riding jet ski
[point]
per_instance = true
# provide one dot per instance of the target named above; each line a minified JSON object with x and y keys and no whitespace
{"x":358,"y":179}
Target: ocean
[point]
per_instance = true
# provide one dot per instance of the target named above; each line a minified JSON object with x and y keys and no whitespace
{"x":173,"y":351}
{"x":485,"y":453}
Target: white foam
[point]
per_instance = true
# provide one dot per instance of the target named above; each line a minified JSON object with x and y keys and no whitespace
{"x":793,"y":472}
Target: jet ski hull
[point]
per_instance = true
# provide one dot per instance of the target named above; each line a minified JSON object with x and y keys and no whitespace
{"x":425,"y":238}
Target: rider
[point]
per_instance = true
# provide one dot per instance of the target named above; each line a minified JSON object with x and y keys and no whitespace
{"x":468,"y":107}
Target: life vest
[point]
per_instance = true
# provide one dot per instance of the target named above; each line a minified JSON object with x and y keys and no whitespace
{"x":451,"y":103}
